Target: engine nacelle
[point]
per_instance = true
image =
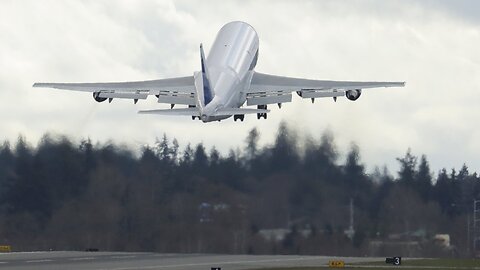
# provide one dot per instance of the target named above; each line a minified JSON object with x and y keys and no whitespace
{"x":96,"y":96}
{"x":353,"y":94}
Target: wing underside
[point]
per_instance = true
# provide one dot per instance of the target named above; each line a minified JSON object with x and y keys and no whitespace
{"x":180,"y":90}
{"x":264,"y":89}
{"x":269,"y":89}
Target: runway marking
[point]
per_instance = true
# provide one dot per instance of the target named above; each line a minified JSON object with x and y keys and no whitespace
{"x":210,"y":263}
{"x":123,"y":257}
{"x":278,"y":260}
{"x":281,"y":260}
{"x":82,"y":259}
{"x":39,"y":261}
{"x":164,"y":255}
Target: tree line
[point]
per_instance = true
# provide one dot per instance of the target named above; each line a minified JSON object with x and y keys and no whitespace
{"x":289,"y":197}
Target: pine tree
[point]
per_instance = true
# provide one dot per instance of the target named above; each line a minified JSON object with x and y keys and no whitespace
{"x":407,"y":171}
{"x":423,"y":179}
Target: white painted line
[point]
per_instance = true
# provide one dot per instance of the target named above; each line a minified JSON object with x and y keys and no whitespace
{"x":123,"y":257}
{"x":211,"y":263}
{"x":281,"y":260}
{"x":3,"y":262}
{"x":40,"y":261}
{"x":164,"y":255}
{"x":82,"y":259}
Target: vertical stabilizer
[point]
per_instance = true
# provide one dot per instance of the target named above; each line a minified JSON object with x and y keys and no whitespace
{"x":207,"y":90}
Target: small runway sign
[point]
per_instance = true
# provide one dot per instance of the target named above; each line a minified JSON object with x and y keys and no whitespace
{"x":5,"y":248}
{"x":394,"y":260}
{"x":336,"y":264}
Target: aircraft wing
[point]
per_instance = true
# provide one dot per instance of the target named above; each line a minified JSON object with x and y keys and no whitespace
{"x":180,"y":90}
{"x":269,"y":89}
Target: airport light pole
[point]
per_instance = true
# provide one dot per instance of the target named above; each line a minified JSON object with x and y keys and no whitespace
{"x":476,"y":225}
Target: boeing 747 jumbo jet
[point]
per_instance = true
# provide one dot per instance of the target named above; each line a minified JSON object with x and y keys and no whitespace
{"x":226,"y":81}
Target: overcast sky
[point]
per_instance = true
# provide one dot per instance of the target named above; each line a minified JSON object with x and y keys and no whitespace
{"x":432,"y":45}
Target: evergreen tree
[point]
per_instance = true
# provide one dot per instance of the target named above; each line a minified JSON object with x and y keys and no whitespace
{"x":252,"y":144}
{"x":187,"y":158}
{"x":174,"y":151}
{"x":423,"y":179}
{"x":64,"y":196}
{"x":407,"y":171}
{"x":284,"y":154}
{"x":7,"y":161}
{"x":200,"y":161}
{"x":214,"y":157}
{"x":354,"y":171}
{"x":446,"y":192}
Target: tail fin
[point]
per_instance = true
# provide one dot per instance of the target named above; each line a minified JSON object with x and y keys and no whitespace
{"x":207,"y":90}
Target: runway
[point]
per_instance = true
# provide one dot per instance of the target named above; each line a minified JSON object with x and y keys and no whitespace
{"x":129,"y":261}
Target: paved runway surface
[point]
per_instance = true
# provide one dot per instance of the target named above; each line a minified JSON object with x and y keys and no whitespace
{"x":128,"y":261}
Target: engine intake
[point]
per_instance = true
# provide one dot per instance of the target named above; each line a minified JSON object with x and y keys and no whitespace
{"x":96,"y":96}
{"x":353,"y":94}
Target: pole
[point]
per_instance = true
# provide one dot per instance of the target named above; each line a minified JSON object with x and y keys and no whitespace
{"x":474,"y":228}
{"x":468,"y":234}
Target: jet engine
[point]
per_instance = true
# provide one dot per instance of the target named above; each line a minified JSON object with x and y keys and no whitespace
{"x":353,"y":94}
{"x":96,"y":96}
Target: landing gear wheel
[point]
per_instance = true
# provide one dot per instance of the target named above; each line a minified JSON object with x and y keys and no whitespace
{"x":260,"y":115}
{"x":238,"y":116}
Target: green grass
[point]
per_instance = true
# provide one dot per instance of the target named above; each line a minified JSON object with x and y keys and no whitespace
{"x":435,"y":262}
{"x":423,"y":264}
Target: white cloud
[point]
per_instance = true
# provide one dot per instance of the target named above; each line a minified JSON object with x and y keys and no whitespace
{"x":425,"y":44}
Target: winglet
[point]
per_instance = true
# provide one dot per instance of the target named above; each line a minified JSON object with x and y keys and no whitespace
{"x":207,"y":90}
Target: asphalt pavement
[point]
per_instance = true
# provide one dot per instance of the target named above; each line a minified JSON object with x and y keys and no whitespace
{"x":131,"y":260}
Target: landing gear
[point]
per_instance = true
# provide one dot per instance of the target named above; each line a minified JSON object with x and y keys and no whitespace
{"x":189,"y":106}
{"x":238,"y":116}
{"x":260,"y":115}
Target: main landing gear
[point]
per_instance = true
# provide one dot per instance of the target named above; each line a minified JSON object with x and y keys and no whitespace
{"x":238,"y":116}
{"x":260,"y":115}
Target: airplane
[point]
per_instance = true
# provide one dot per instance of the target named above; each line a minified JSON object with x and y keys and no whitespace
{"x":226,"y":81}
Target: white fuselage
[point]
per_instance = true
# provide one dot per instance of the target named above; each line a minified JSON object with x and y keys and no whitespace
{"x":230,"y":64}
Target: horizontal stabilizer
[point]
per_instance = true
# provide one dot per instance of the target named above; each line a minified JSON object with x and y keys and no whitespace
{"x":182,"y":111}
{"x":232,"y":111}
